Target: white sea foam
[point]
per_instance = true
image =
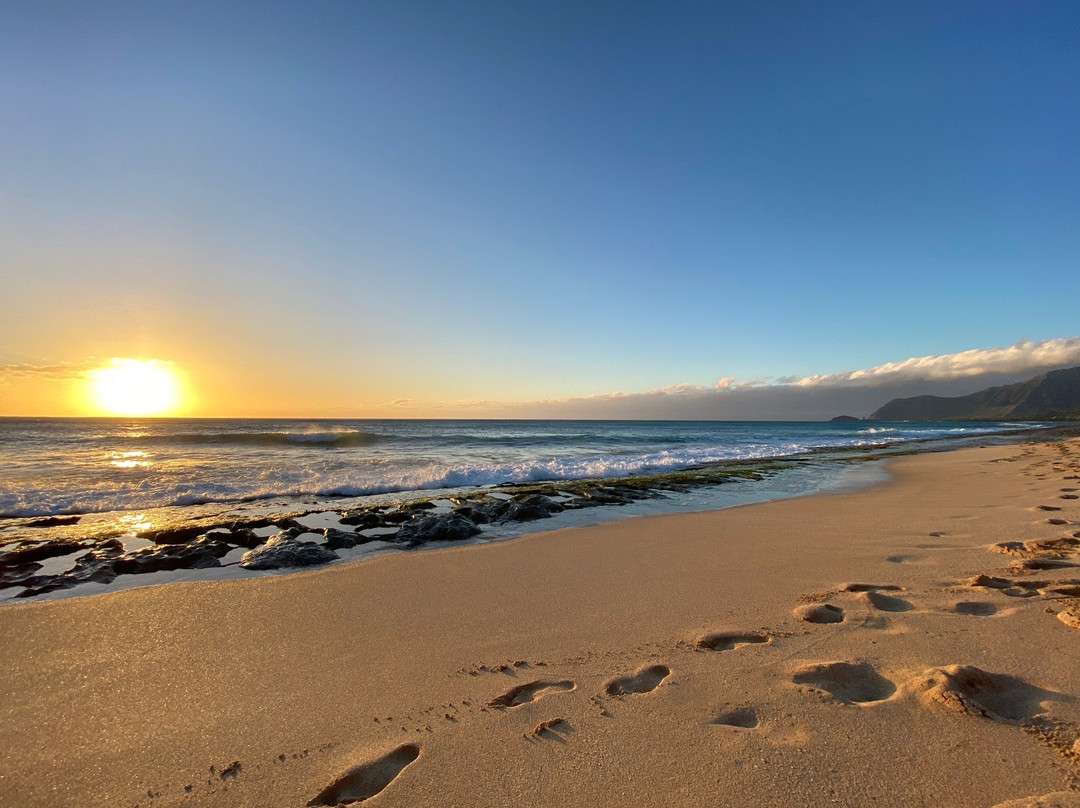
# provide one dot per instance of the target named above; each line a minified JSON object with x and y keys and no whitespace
{"x":197,"y":463}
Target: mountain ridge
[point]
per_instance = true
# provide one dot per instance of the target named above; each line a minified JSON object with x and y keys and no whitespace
{"x":1052,"y":396}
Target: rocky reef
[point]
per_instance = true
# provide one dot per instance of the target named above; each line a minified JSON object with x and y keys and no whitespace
{"x":283,"y":541}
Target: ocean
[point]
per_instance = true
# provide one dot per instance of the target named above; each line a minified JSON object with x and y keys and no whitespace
{"x":84,"y":480}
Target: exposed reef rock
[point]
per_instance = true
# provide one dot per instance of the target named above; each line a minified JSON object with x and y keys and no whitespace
{"x":203,"y":552}
{"x":449,"y":527}
{"x":284,"y":550}
{"x":529,"y":507}
{"x":206,"y":541}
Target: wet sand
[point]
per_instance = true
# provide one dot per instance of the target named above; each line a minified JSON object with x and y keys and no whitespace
{"x":836,"y":649}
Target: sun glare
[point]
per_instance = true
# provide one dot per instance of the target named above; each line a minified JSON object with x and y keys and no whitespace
{"x":131,"y":387}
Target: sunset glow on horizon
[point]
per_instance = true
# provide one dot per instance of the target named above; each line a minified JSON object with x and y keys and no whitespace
{"x":513,"y":210}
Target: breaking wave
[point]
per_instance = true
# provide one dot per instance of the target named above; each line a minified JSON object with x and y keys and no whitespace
{"x":73,"y":469}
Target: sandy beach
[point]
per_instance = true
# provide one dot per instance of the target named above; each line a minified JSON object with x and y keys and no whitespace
{"x":829,"y":650}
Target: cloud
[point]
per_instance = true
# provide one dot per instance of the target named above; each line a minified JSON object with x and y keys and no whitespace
{"x":1023,"y":357}
{"x":811,"y":398}
{"x":58,"y":371}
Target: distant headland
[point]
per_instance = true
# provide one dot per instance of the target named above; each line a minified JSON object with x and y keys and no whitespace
{"x":1053,"y":396}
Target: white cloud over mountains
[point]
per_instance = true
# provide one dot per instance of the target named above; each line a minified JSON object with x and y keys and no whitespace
{"x":1022,"y":358}
{"x":854,"y":392}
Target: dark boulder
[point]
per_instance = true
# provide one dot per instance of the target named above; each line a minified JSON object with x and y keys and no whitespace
{"x":476,"y":515}
{"x":284,"y":550}
{"x":529,"y":507}
{"x":448,"y":527}
{"x":362,"y":519}
{"x":339,"y":539}
{"x":484,"y":511}
{"x":237,"y":536}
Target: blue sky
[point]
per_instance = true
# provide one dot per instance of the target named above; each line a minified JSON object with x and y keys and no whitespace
{"x":336,"y":205}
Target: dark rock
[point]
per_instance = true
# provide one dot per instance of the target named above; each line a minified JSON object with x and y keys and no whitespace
{"x":53,"y":521}
{"x":199,"y":554}
{"x":493,"y":508}
{"x":284,"y":550}
{"x":423,"y":505}
{"x":398,"y":517}
{"x":608,"y":496}
{"x":448,"y":527}
{"x":529,"y":507}
{"x":250,"y":524}
{"x":578,"y":503}
{"x":37,"y":551}
{"x":18,"y":574}
{"x":339,"y":539}
{"x":476,"y":515}
{"x":95,"y":566}
{"x":291,"y":526}
{"x":240,"y":537}
{"x":176,"y":535}
{"x":362,"y":519}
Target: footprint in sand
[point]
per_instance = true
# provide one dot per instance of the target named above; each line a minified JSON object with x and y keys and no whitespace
{"x":1064,"y":589}
{"x":727,"y":640}
{"x":368,"y":779}
{"x":887,"y":603}
{"x":523,"y":694}
{"x":643,"y":681}
{"x":820,"y":613}
{"x":857,"y":587}
{"x":975,"y":608}
{"x":973,"y":691}
{"x":903,"y":559}
{"x":847,"y":682}
{"x":1040,"y":564}
{"x":744,"y":717}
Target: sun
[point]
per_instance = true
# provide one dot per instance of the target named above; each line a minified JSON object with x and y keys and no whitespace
{"x":133,"y":387}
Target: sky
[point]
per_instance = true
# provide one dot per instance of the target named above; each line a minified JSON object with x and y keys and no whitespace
{"x":405,"y":209}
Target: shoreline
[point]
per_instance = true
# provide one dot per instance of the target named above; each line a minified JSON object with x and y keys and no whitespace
{"x":534,"y":670}
{"x":75,"y":557}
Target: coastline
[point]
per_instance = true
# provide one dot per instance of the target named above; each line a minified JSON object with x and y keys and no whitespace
{"x":264,"y":692}
{"x":64,"y":555}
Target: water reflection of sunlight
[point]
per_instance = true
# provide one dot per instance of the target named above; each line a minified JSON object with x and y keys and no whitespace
{"x":134,"y":522}
{"x":128,"y":460}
